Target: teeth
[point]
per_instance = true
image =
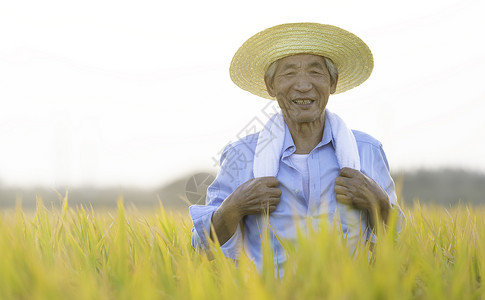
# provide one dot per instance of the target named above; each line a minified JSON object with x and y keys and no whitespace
{"x":306,"y":101}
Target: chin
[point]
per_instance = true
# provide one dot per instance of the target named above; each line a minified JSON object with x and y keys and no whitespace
{"x":306,"y":119}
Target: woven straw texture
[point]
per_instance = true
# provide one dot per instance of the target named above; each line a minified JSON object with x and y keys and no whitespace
{"x":349,"y":53}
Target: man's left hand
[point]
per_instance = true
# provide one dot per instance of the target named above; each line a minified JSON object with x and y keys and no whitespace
{"x":354,"y":188}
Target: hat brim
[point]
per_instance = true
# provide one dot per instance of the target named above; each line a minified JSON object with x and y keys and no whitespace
{"x":349,"y":53}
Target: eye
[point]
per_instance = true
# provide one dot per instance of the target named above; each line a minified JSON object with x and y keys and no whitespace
{"x":318,"y":73}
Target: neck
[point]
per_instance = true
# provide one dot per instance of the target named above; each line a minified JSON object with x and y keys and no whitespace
{"x":306,"y":135}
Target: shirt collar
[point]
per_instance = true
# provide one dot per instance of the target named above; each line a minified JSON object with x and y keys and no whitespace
{"x":327,"y":133}
{"x":289,"y":146}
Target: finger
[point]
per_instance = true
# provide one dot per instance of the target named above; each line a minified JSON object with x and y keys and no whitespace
{"x":274,"y":200}
{"x":266,"y":206}
{"x":361,"y":203}
{"x":343,"y":181}
{"x":270,"y":181}
{"x":341,"y":190}
{"x":274,"y":192}
{"x":347,"y":172}
{"x":344,"y":199}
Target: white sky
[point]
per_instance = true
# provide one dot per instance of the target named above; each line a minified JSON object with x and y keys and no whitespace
{"x":138,"y":92}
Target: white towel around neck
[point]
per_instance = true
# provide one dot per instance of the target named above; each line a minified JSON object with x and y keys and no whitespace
{"x":269,"y":149}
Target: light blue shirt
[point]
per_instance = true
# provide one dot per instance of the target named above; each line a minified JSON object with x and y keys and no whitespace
{"x":237,"y":167}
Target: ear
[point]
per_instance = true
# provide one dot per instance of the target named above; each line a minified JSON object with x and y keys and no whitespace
{"x":333,"y":87}
{"x":269,"y":85}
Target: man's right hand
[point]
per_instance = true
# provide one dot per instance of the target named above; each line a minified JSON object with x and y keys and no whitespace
{"x":255,"y":196}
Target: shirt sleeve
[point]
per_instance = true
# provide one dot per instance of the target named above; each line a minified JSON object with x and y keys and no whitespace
{"x":378,"y":167}
{"x":225,"y":183}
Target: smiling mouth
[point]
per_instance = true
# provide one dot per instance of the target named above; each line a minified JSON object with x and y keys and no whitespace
{"x":303,"y":101}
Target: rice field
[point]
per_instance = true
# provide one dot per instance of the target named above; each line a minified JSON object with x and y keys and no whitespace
{"x":79,"y":253}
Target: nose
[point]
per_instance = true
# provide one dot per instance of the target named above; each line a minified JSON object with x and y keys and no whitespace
{"x":302,"y":84}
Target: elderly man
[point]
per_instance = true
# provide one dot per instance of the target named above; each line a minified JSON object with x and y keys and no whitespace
{"x":305,"y":163}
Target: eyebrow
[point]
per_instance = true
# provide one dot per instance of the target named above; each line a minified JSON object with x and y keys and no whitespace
{"x":315,"y":64}
{"x":288,"y":66}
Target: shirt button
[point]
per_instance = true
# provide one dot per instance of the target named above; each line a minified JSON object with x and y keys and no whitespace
{"x":296,"y":190}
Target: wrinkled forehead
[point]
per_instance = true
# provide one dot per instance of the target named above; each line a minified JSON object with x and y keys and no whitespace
{"x":301,"y":59}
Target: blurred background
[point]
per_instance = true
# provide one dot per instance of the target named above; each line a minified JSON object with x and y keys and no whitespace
{"x":109,"y":98}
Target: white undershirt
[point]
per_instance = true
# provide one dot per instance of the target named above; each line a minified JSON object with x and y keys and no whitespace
{"x":300,"y":161}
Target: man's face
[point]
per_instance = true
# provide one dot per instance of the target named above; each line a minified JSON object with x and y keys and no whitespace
{"x":301,"y":85}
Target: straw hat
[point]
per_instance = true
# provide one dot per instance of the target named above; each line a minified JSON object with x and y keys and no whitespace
{"x":349,"y":53}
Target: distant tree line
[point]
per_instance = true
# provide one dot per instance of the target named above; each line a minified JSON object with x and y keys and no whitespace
{"x":443,"y":186}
